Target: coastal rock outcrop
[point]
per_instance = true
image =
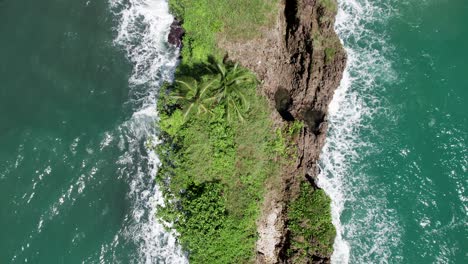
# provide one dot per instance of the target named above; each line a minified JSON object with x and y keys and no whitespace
{"x":176,"y":34}
{"x":300,"y":62}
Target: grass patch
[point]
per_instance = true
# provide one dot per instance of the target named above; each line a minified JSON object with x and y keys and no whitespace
{"x":329,"y":5}
{"x":326,"y":45}
{"x":329,"y":54}
{"x":206,"y":20}
{"x":312,"y":232}
{"x":214,"y":172}
{"x":295,"y":128}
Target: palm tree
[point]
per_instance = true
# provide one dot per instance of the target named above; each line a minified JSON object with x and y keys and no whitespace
{"x":231,"y":88}
{"x":194,"y":97}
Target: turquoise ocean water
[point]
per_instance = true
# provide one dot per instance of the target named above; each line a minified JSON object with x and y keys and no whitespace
{"x":396,"y":159}
{"x":78,"y":81}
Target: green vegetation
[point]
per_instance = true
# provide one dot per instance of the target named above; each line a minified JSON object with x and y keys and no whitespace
{"x":295,"y":128}
{"x":221,"y":84}
{"x":330,"y":5}
{"x":206,"y":21}
{"x":284,"y":143}
{"x":312,"y":231}
{"x":214,"y":165}
{"x":329,"y":54}
{"x":326,"y":44}
{"x":220,"y":147}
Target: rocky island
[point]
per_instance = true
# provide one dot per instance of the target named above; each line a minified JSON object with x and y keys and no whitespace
{"x":244,"y":124}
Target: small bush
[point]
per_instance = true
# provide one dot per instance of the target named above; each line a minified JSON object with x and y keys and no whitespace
{"x":295,"y":128}
{"x":309,"y":219}
{"x":329,"y":54}
{"x":329,"y":5}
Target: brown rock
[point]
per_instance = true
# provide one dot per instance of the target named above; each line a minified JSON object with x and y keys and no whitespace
{"x":176,"y":34}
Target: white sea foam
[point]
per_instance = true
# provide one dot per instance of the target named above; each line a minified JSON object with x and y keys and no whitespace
{"x":143,"y":26}
{"x":354,"y":103}
{"x":142,"y":32}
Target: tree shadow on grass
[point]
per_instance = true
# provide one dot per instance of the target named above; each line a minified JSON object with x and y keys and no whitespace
{"x":198,"y":70}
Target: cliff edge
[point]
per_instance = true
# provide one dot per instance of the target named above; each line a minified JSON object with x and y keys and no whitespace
{"x":300,"y":62}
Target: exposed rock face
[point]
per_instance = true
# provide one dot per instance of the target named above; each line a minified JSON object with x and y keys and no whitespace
{"x":300,"y":63}
{"x":176,"y":34}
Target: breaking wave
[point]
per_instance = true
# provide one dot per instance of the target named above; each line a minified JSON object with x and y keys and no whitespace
{"x":354,"y":209}
{"x":142,"y":32}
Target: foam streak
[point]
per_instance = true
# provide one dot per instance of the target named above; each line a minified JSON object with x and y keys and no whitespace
{"x":353,"y":104}
{"x":142,"y":32}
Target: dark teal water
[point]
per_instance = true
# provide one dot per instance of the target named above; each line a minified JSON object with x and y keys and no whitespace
{"x":78,"y":81}
{"x":396,"y":160}
{"x":77,"y":86}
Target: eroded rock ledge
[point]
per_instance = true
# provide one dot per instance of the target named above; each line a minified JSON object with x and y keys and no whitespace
{"x":300,"y":63}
